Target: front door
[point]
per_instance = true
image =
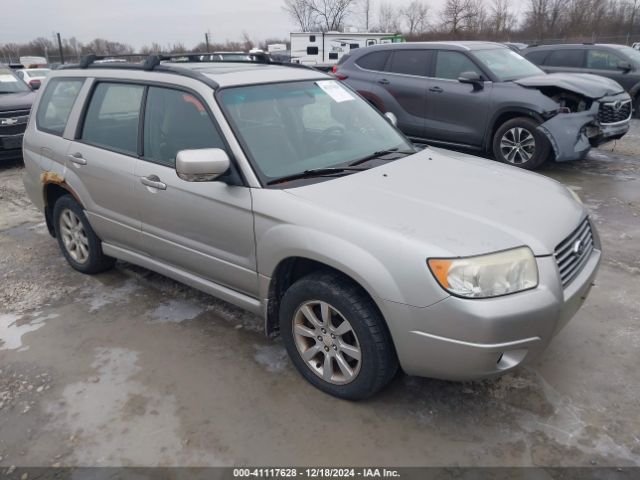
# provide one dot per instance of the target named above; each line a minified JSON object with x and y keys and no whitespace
{"x":205,"y":228}
{"x":456,"y":112}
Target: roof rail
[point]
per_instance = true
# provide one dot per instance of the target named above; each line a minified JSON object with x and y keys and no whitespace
{"x":168,"y":63}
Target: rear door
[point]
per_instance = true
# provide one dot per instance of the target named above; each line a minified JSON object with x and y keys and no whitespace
{"x":402,"y":89}
{"x":456,"y":112}
{"x":565,"y":60}
{"x":103,"y":157}
{"x":205,"y":228}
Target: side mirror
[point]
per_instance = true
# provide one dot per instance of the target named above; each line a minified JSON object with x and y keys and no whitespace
{"x":624,"y":66}
{"x":203,"y":165}
{"x":35,"y":85}
{"x":474,"y":78}
{"x":392,"y":119}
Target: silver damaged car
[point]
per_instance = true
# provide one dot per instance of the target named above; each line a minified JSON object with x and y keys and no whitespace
{"x":282,"y":191}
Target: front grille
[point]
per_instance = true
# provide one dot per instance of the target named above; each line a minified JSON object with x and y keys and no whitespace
{"x":12,"y":129}
{"x":614,"y":112}
{"x":14,"y":113}
{"x":574,"y":251}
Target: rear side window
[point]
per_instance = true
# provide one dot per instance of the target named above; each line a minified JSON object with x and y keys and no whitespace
{"x":175,"y":120}
{"x":56,"y":104}
{"x":112,"y":117}
{"x":536,"y":57}
{"x":410,"y":62}
{"x":450,"y":65}
{"x":565,"y":58}
{"x":373,"y":61}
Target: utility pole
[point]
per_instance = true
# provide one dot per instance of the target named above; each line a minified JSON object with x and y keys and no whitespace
{"x":206,"y":40}
{"x":60,"y":48}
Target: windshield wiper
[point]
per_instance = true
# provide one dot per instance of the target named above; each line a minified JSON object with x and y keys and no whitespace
{"x":315,"y":172}
{"x":382,"y":153}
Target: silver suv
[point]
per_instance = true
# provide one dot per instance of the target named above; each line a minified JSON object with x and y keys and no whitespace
{"x":282,"y":191}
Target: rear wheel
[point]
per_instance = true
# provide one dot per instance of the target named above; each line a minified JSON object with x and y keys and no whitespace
{"x":80,"y":245}
{"x":336,"y":337}
{"x":518,"y":142}
{"x":636,"y":106}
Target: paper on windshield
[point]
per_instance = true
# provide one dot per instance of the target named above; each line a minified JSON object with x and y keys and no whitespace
{"x":336,"y":91}
{"x":8,"y":79}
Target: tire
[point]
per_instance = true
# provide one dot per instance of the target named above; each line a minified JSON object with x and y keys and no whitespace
{"x":80,"y":245}
{"x":355,"y":325}
{"x":636,"y":106}
{"x":530,"y":149}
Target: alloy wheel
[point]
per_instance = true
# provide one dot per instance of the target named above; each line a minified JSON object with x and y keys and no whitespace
{"x":518,"y":145}
{"x":327,"y":342}
{"x":74,"y":237}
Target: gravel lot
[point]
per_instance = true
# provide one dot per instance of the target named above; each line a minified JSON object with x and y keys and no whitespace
{"x":131,"y":368}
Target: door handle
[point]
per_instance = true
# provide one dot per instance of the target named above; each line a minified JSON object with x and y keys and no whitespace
{"x":384,"y":81}
{"x":154,"y":182}
{"x":436,"y":90}
{"x":77,"y":158}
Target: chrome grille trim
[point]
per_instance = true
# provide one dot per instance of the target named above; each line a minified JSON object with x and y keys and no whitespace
{"x":570,"y":262}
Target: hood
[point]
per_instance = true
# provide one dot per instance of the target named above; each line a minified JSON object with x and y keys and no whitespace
{"x":457,"y":204}
{"x":16,"y":101}
{"x":592,"y":86}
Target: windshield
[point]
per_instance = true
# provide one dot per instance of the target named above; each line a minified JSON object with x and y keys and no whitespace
{"x":506,"y":64}
{"x":290,"y":128}
{"x":9,"y":83}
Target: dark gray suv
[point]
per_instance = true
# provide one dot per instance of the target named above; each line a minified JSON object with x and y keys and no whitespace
{"x":485,"y":97}
{"x":617,"y":62}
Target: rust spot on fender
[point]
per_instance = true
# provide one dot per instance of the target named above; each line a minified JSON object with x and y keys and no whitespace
{"x":52,"y":177}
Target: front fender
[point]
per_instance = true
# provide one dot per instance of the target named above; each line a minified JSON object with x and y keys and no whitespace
{"x":285,"y":241}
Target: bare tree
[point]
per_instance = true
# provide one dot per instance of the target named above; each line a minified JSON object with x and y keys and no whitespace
{"x":501,"y":19}
{"x":301,"y":13}
{"x":331,"y":14}
{"x":415,"y":16}
{"x":389,"y":19}
{"x":367,"y":7}
{"x":456,"y":15}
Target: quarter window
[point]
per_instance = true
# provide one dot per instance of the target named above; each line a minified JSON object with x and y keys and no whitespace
{"x":450,"y":65}
{"x":175,"y":120}
{"x":410,"y":62}
{"x":565,"y":58}
{"x":56,"y":104}
{"x":112,"y":117}
{"x":602,"y":60}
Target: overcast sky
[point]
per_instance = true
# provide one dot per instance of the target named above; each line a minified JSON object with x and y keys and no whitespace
{"x":140,"y":22}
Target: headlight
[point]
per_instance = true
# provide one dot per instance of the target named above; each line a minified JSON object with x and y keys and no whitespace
{"x":489,"y":275}
{"x":575,"y":196}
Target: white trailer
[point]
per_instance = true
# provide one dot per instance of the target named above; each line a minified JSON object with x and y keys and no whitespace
{"x":327,"y":48}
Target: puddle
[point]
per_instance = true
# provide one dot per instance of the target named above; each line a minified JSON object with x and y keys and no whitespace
{"x":176,"y":311}
{"x":13,"y":328}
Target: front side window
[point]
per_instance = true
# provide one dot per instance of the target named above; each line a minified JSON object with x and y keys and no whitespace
{"x":505,"y":64}
{"x":112,"y":118}
{"x":565,"y":58}
{"x":56,"y":104}
{"x":288,"y":128}
{"x":536,"y":56}
{"x":175,"y":120}
{"x":449,"y":65}
{"x":9,"y":83}
{"x":602,"y":60}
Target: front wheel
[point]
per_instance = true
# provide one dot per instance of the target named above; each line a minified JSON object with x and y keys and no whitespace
{"x":518,"y":142}
{"x":336,"y":337}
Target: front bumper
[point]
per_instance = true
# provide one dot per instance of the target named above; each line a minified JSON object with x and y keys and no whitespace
{"x":462,"y":339}
{"x":10,"y":146}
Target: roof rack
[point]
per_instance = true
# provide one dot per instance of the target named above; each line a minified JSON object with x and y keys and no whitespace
{"x":155,"y":61}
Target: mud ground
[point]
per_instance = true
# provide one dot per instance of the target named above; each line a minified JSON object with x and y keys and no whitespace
{"x":131,"y":368}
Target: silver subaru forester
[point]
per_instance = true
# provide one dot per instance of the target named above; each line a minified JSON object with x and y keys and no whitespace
{"x":282,"y":191}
